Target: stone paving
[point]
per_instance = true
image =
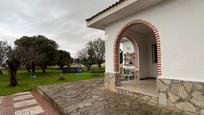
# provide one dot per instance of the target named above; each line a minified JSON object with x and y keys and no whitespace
{"x":25,"y":103}
{"x":89,"y":98}
{"x":1,"y":99}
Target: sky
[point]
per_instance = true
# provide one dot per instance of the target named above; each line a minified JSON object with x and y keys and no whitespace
{"x":60,"y":20}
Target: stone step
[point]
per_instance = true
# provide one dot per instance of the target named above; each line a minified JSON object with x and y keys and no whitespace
{"x":150,"y":99}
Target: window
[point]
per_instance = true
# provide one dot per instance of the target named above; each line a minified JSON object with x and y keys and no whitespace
{"x":154,"y":53}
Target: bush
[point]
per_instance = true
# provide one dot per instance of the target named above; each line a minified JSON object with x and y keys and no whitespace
{"x":72,"y":70}
{"x":84,"y":69}
{"x":94,"y":69}
{"x":97,"y":70}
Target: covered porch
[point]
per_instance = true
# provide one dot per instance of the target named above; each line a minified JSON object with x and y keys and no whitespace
{"x":140,"y":76}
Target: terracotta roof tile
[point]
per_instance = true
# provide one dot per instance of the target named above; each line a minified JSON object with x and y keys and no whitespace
{"x":101,"y":12}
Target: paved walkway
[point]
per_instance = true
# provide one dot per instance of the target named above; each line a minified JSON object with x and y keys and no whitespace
{"x":25,"y":103}
{"x":89,"y":98}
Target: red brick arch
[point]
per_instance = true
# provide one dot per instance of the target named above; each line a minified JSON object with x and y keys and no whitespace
{"x":120,"y":36}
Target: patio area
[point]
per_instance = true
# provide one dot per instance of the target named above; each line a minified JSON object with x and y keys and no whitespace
{"x":89,"y":98}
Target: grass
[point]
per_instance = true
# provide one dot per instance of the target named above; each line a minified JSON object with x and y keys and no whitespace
{"x":26,"y":83}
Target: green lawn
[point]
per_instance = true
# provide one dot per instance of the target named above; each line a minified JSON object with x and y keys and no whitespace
{"x":26,"y":83}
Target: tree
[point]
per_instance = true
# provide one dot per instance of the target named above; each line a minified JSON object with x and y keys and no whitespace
{"x":37,"y":51}
{"x":12,"y":73}
{"x":4,"y":49}
{"x":64,"y":58}
{"x":86,"y":57}
{"x":98,"y":47}
{"x":47,"y":52}
{"x":77,"y":60}
{"x":13,"y":64}
{"x":27,"y":48}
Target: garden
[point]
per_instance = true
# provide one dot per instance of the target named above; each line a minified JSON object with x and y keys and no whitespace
{"x":36,"y":60}
{"x":52,"y":76}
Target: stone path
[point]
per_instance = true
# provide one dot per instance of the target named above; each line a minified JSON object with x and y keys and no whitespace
{"x":89,"y":98}
{"x":1,"y":99}
{"x":25,"y":103}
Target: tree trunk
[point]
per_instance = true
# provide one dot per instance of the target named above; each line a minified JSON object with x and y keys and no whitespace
{"x":43,"y":67}
{"x":61,"y":67}
{"x":43,"y":70}
{"x":1,"y":73}
{"x":33,"y":69}
{"x":99,"y":65}
{"x":12,"y":72}
{"x":88,"y":68}
{"x":28,"y":68}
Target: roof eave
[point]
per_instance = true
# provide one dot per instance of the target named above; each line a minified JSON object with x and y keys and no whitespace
{"x":95,"y":21}
{"x":108,"y":8}
{"x":118,"y":11}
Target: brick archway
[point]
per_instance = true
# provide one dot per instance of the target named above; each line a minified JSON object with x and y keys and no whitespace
{"x":117,"y":46}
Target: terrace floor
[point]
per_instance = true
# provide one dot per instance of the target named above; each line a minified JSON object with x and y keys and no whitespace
{"x":89,"y":98}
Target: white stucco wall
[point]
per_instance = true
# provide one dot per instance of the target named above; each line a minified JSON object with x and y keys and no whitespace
{"x":180,"y":24}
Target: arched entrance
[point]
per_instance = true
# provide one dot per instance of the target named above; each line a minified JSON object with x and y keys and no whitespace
{"x":147,"y":37}
{"x":129,"y":59}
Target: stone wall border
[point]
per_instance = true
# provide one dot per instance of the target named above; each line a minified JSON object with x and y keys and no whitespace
{"x":184,"y":95}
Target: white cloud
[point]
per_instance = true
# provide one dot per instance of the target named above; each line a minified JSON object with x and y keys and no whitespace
{"x":60,"y":20}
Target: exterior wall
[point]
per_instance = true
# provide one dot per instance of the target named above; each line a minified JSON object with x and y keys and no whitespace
{"x":182,"y":46}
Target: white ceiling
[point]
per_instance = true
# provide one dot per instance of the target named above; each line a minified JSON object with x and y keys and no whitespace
{"x":142,"y":29}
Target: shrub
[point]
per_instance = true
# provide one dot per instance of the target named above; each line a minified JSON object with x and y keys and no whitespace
{"x":97,"y":70}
